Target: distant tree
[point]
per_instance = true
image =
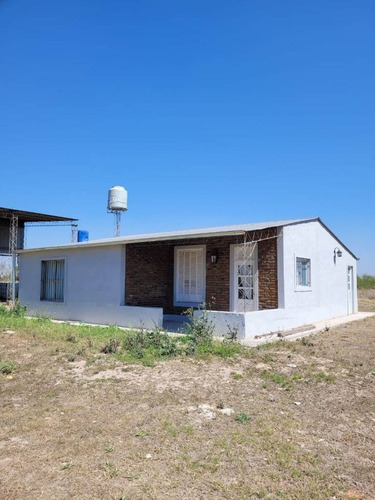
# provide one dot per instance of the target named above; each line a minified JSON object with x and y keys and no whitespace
{"x":366,"y":281}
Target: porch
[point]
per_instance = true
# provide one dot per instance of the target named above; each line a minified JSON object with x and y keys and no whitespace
{"x":232,"y":274}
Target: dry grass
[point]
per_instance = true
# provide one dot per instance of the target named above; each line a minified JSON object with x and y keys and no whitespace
{"x":100,"y":428}
{"x":366,"y":300}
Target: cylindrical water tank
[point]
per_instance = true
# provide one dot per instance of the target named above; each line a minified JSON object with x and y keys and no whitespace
{"x":117,"y":198}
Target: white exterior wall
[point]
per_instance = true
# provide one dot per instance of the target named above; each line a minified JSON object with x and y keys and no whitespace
{"x":328,"y":295}
{"x":94,"y":288}
{"x":326,"y":298}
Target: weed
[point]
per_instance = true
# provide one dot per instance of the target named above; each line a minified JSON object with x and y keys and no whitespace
{"x":237,"y":376}
{"x":71,"y":338}
{"x":323,"y":377}
{"x":242,"y":417}
{"x":71,"y":358}
{"x":66,"y":465}
{"x":111,"y":347}
{"x":306,"y":342}
{"x":199,"y":329}
{"x":142,"y":433}
{"x":110,"y":469}
{"x":81,"y":351}
{"x":109,"y":448}
{"x":173,"y":431}
{"x":232,"y":333}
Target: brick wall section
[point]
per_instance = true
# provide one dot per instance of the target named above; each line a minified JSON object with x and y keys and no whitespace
{"x":267,"y":274}
{"x":150,"y":273}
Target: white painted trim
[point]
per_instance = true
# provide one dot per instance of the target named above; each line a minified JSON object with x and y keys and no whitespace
{"x":351,"y":298}
{"x":65,"y":280}
{"x":175,"y":278}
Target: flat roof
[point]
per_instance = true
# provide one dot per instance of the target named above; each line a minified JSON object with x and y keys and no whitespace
{"x":238,"y":229}
{"x":24,"y":216}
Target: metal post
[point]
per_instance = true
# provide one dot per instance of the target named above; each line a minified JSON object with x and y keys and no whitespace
{"x":13,"y":236}
{"x":73,"y":238}
{"x":117,"y":223}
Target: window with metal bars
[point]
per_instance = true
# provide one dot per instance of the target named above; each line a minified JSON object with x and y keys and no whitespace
{"x":52,"y":281}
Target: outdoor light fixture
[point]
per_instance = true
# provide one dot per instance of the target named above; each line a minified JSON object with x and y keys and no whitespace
{"x":336,"y":253}
{"x":214,"y":256}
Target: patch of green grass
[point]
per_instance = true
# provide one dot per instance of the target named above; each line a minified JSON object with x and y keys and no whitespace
{"x":129,"y":346}
{"x":7,"y":367}
{"x":323,"y":377}
{"x":237,"y":376}
{"x":285,"y":381}
{"x":242,"y":417}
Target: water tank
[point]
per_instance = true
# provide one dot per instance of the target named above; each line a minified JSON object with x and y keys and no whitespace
{"x":82,"y":236}
{"x":117,"y":199}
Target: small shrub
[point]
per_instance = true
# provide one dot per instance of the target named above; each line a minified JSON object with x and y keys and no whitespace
{"x":71,"y":358}
{"x":111,"y":347}
{"x":199,"y":329}
{"x":156,"y":343}
{"x":242,"y":417}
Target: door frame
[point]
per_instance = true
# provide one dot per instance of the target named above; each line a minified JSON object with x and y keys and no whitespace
{"x":232,"y":279}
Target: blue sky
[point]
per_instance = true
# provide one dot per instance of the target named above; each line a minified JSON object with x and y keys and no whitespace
{"x":209,"y":113}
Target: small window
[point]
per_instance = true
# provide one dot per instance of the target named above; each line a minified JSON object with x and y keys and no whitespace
{"x":52,"y":284}
{"x":303,"y":272}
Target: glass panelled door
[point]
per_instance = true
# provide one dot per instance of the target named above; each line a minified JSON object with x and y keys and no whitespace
{"x":245,"y":275}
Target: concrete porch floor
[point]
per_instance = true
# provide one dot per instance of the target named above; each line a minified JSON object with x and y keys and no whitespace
{"x":319,"y":326}
{"x":174,"y":323}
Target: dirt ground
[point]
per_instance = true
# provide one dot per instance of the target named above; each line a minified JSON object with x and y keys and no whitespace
{"x":290,"y":420}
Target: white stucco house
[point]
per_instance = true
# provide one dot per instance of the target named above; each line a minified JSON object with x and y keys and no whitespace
{"x":259,"y":278}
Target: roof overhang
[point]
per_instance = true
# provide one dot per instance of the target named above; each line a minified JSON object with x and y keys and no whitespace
{"x":237,"y":230}
{"x":24,"y":216}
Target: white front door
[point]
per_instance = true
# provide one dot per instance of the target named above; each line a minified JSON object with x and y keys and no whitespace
{"x":350,"y":290}
{"x":245,"y":278}
{"x":190,"y":265}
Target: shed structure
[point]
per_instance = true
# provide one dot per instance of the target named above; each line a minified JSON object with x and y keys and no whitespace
{"x":13,"y":224}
